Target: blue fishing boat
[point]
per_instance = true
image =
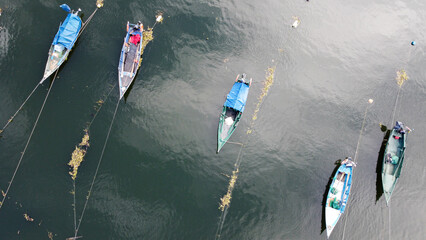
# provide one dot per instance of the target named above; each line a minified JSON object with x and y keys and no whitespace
{"x":232,"y":110}
{"x":338,"y":194}
{"x":63,"y":42}
{"x":130,"y":57}
{"x":393,"y":159}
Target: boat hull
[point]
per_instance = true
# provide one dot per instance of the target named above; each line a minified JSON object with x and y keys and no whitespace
{"x":130,"y":60}
{"x":232,"y":110}
{"x":63,"y":43}
{"x":391,"y":169}
{"x":53,"y":63}
{"x":338,"y":195}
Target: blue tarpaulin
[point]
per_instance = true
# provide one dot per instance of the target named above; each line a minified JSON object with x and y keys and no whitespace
{"x":65,"y":7}
{"x":237,"y":97}
{"x":68,"y":31}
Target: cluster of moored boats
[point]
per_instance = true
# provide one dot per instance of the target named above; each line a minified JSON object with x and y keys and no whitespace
{"x":340,"y":187}
{"x":69,"y":31}
{"x":130,"y":61}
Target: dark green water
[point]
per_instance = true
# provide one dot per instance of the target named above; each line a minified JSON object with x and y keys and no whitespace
{"x":160,"y":177}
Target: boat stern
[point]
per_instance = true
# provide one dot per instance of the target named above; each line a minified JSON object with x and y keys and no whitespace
{"x":388,"y":182}
{"x":331,"y":217}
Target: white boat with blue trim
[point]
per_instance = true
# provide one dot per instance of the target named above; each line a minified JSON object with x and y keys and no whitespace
{"x":338,"y":194}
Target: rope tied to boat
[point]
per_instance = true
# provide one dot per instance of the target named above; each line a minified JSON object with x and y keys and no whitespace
{"x":370,"y":101}
{"x":28,"y":142}
{"x":226,"y":199}
{"x":96,"y":171}
{"x":81,"y":150}
{"x":99,"y":4}
{"x":19,"y":109}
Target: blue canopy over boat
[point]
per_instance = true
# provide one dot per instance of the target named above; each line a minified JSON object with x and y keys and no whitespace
{"x":237,"y":97}
{"x":68,"y":31}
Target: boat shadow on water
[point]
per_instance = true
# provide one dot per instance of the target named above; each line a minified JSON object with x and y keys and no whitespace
{"x":379,"y":186}
{"x":324,"y":198}
{"x":126,"y":94}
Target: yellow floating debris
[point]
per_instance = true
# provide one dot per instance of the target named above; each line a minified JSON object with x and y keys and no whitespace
{"x":28,"y":218}
{"x":401,"y":77}
{"x":226,"y":200}
{"x":269,"y":80}
{"x":78,"y":154}
{"x":147,"y":37}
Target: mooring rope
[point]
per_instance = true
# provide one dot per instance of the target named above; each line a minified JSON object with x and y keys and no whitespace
{"x":226,"y":200}
{"x":87,"y":22}
{"x":87,"y":128}
{"x":19,"y":109}
{"x":395,"y":105}
{"x":389,"y":219}
{"x":355,"y":159}
{"x":226,"y":207}
{"x":96,"y":171}
{"x":28,"y":142}
{"x":97,"y":111}
{"x":221,"y":222}
{"x":74,"y":206}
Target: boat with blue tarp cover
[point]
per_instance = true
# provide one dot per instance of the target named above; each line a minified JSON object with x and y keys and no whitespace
{"x":232,"y":110}
{"x":130,"y":57}
{"x":63,"y":42}
{"x":338,"y":194}
{"x":393,"y":158}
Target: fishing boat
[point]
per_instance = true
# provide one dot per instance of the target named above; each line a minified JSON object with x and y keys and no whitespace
{"x":393,"y":158}
{"x":130,"y":58}
{"x":63,"y":42}
{"x":232,"y":110}
{"x":338,"y":194}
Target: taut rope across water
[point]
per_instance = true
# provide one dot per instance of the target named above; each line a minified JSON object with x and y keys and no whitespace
{"x":370,"y":101}
{"x":96,"y":171}
{"x":28,"y":142}
{"x":226,"y":200}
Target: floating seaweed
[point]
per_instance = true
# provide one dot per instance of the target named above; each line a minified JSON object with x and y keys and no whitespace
{"x":78,"y":154}
{"x":401,"y":77}
{"x":269,"y":80}
{"x":28,"y":218}
{"x":226,"y":200}
{"x":266,"y":86}
{"x":147,"y":37}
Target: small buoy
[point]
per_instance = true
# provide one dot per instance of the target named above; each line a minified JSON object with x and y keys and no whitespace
{"x":296,"y":22}
{"x":159,"y":18}
{"x":413,"y":43}
{"x":370,"y":100}
{"x":99,"y":3}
